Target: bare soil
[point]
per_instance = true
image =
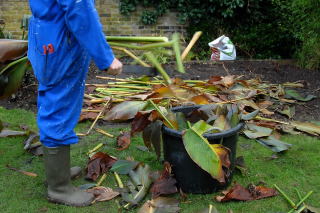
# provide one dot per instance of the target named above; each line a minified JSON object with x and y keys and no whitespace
{"x":267,"y":70}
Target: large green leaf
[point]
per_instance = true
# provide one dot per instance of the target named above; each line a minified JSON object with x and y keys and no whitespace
{"x":11,"y":133}
{"x":309,"y":128}
{"x":152,"y":136}
{"x":253,"y":131}
{"x":250,"y":115}
{"x":11,"y":77}
{"x":297,"y":96}
{"x":123,"y":167}
{"x":12,"y":49}
{"x":201,"y":127}
{"x":274,"y":144}
{"x":125,"y":111}
{"x":203,"y":154}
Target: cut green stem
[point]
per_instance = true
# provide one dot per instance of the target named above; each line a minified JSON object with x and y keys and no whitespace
{"x":160,"y":112}
{"x":285,"y":196}
{"x":153,"y":60}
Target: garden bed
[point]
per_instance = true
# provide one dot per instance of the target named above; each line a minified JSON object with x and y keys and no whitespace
{"x":268,"y":70}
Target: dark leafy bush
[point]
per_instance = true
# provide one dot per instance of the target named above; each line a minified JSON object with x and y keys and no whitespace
{"x":259,"y":28}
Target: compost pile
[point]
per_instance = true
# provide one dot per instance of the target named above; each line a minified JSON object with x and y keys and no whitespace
{"x":259,"y":103}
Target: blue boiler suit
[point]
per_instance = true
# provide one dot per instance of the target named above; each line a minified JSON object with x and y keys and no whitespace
{"x":63,"y":37}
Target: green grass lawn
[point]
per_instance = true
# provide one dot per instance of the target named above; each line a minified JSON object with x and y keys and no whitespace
{"x":297,"y":168}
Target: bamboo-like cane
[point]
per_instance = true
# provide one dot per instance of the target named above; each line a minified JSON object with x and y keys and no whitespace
{"x":194,"y":39}
{"x":131,"y":55}
{"x":137,"y":38}
{"x":104,"y":132}
{"x":177,"y":51}
{"x":153,"y":60}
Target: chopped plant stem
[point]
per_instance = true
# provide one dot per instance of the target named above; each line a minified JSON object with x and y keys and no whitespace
{"x":30,"y":174}
{"x":271,"y":120}
{"x":119,"y":181}
{"x":304,"y":199}
{"x":142,"y":47}
{"x":160,"y":112}
{"x":104,"y":176}
{"x":153,"y":60}
{"x":104,"y":132}
{"x":194,"y":39}
{"x":285,"y":196}
{"x":132,"y":56}
{"x":177,"y":51}
{"x":98,"y":116}
{"x":95,"y":149}
{"x":137,"y":38}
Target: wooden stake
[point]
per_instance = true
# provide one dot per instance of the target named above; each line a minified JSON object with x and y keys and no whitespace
{"x":194,"y":39}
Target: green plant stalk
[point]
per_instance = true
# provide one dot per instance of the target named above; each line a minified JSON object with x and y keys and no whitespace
{"x":137,"y":38}
{"x":13,"y":63}
{"x":285,"y":196}
{"x":104,"y":176}
{"x":142,"y":47}
{"x":158,"y":66}
{"x":119,"y":181}
{"x":132,"y":56}
{"x":177,"y":51}
{"x":160,"y":112}
{"x":304,"y":199}
{"x":95,"y":148}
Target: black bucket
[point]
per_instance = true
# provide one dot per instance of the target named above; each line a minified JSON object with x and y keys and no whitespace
{"x":190,"y":177}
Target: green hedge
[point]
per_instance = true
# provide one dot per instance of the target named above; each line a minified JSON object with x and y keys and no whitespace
{"x":259,"y":28}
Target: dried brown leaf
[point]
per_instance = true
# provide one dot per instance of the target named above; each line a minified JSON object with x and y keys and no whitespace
{"x":252,"y":192}
{"x":98,"y":164}
{"x":124,"y":140}
{"x":102,"y":193}
{"x":165,"y":184}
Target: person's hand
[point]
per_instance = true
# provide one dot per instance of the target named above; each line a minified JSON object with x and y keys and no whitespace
{"x":115,"y":68}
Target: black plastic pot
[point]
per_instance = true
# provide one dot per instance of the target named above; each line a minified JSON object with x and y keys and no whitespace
{"x":190,"y":177}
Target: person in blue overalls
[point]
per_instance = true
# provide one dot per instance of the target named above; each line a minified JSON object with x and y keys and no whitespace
{"x":64,"y":35}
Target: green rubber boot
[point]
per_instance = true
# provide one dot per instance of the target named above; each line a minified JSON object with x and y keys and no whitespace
{"x":60,"y":189}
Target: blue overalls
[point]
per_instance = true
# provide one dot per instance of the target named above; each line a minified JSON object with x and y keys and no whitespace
{"x":63,"y":37}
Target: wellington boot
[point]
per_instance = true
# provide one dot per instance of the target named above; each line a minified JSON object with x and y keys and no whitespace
{"x":75,"y":172}
{"x":60,"y":189}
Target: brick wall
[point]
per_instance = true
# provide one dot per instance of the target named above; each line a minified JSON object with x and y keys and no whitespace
{"x":12,"y":11}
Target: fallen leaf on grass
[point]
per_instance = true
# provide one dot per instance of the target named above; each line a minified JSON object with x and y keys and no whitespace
{"x":88,"y":116}
{"x":312,"y":209}
{"x":165,"y":184}
{"x":125,"y":111}
{"x":123,"y":141}
{"x":102,"y":193}
{"x":87,"y":186}
{"x":123,"y":167}
{"x":98,"y":164}
{"x":152,"y":136}
{"x":142,"y":120}
{"x":274,"y":144}
{"x":252,"y":192}
{"x":10,"y":133}
{"x":141,"y":182}
{"x":31,"y":174}
{"x":253,"y":131}
{"x":160,"y":205}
